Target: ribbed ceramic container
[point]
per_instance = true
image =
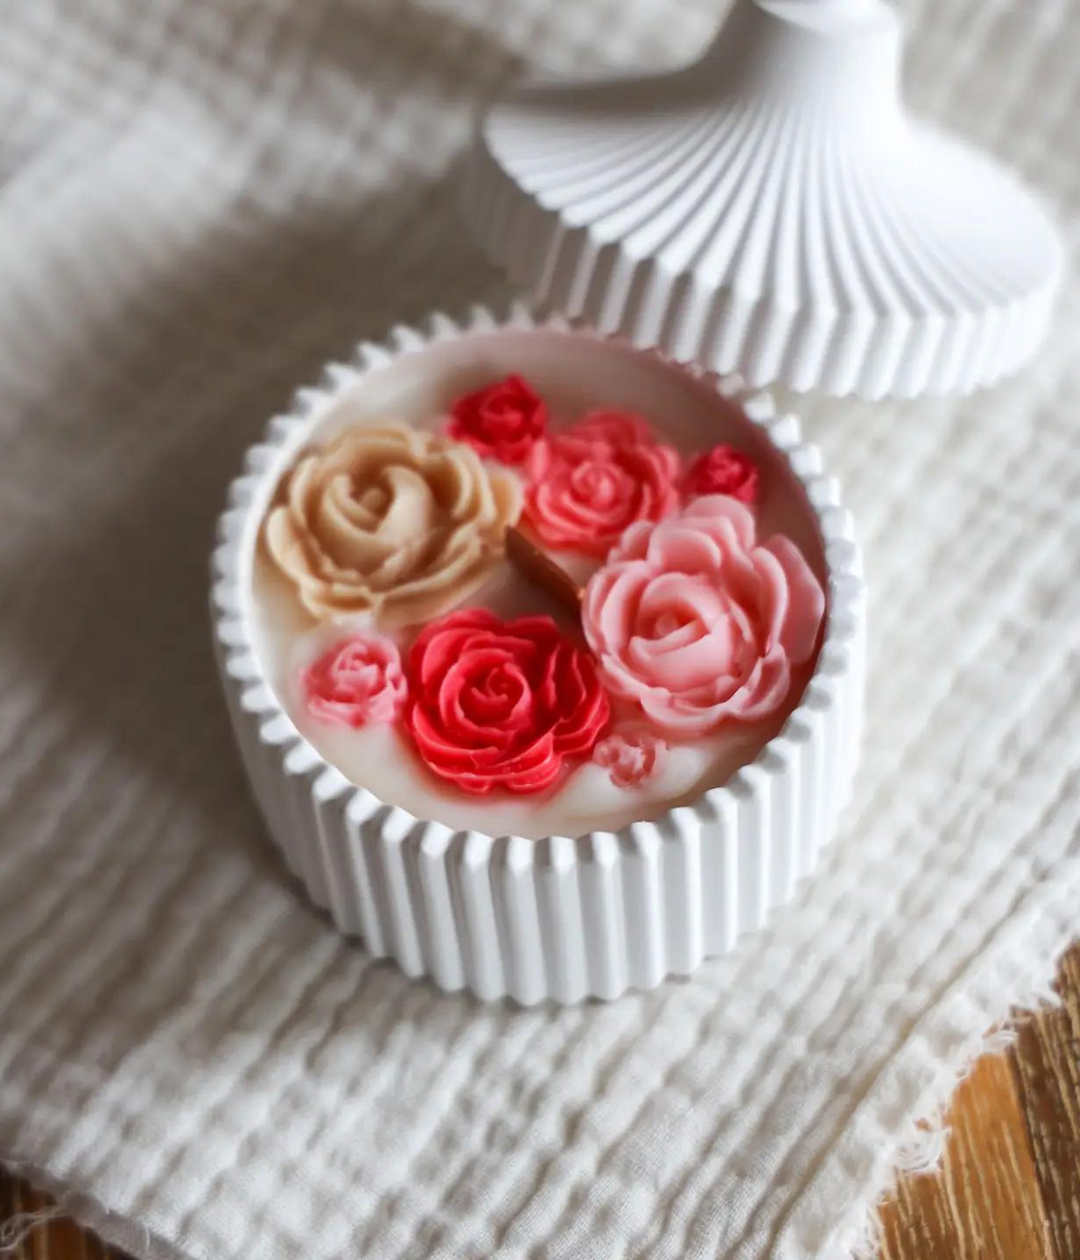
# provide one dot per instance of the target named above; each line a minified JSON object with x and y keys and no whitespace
{"x":558,"y":918}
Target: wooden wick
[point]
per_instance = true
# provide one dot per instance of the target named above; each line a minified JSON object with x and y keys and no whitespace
{"x":542,"y":571}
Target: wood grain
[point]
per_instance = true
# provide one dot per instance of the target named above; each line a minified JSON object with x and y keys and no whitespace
{"x":985,"y":1200}
{"x":1047,"y":1072}
{"x":1008,"y":1188}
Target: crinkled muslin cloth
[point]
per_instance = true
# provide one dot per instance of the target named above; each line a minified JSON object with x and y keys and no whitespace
{"x":201,"y":201}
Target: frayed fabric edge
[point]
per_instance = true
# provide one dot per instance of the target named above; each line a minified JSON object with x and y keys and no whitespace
{"x":18,"y":1228}
{"x":920,"y":1149}
{"x":112,"y":1227}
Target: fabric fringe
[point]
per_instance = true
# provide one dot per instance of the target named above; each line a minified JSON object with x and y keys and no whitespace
{"x":87,"y":1212}
{"x":18,"y":1228}
{"x":921,"y":1149}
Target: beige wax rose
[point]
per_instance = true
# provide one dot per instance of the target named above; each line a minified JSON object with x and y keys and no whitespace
{"x":390,"y":521}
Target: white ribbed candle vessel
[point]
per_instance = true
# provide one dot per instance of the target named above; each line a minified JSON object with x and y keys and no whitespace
{"x":557,"y":918}
{"x":772,"y":210}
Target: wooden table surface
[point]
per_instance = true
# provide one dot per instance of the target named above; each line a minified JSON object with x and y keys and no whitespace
{"x":1008,"y":1189}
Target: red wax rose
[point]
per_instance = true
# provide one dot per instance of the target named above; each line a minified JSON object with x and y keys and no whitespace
{"x":501,"y":421}
{"x":723,"y":470}
{"x":500,"y":704}
{"x":588,"y":484}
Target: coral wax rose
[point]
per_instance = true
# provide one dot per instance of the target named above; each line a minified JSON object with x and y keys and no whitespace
{"x":585,"y":486}
{"x":502,"y":704}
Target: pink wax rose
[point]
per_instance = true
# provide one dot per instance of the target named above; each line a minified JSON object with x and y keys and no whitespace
{"x":697,"y":623}
{"x":632,"y":755}
{"x":358,"y":682}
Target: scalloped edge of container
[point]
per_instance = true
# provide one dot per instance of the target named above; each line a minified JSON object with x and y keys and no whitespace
{"x":559,"y":918}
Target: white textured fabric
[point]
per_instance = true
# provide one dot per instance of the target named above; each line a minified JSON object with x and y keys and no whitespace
{"x":202,"y":200}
